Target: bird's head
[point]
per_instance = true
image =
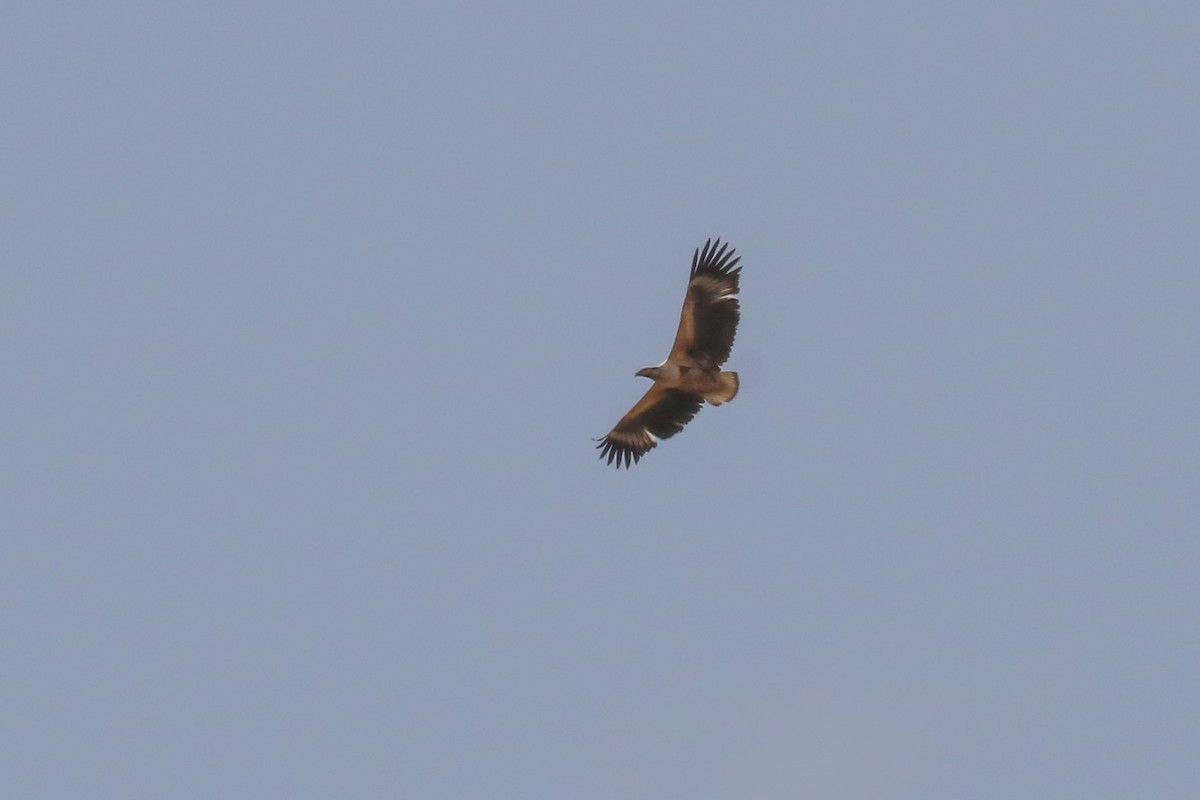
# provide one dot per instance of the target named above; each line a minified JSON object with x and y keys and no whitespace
{"x":648,"y":372}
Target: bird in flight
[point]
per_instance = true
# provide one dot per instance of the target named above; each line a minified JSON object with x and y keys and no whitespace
{"x":692,"y":372}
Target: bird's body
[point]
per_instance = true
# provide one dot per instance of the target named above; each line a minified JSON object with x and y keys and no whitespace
{"x":713,"y":385}
{"x":691,"y":374}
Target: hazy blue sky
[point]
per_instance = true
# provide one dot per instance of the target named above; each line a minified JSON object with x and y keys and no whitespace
{"x":309,"y":313}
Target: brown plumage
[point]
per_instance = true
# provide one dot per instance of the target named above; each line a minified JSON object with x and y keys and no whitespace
{"x":692,"y":372}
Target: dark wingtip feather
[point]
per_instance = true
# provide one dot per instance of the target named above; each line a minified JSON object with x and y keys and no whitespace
{"x":715,"y":258}
{"x":616,"y":452}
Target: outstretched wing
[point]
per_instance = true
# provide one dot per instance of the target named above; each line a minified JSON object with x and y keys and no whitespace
{"x":711,"y":311}
{"x":660,"y":414}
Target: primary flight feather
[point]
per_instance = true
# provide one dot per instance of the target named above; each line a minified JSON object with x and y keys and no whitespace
{"x":692,"y":374}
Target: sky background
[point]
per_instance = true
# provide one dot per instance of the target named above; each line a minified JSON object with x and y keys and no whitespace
{"x":309,"y":313}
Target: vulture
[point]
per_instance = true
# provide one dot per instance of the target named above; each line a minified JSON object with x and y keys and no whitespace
{"x":692,"y":374}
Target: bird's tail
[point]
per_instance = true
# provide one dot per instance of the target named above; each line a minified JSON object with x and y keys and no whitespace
{"x":727,"y":390}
